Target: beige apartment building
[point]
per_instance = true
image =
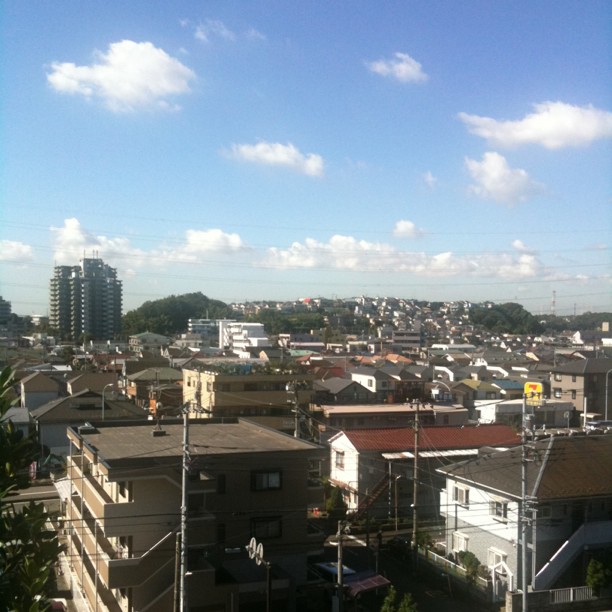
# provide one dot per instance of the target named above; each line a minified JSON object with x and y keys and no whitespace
{"x":244,"y":481}
{"x":240,"y":390}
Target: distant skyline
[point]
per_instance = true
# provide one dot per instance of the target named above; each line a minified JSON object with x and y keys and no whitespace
{"x":425,"y":149}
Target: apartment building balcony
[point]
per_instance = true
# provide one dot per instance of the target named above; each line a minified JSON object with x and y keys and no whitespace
{"x":115,"y":517}
{"x":118,"y":567}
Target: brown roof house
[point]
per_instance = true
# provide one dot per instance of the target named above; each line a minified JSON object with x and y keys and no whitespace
{"x":38,"y":389}
{"x":568,"y":503}
{"x":53,"y":418}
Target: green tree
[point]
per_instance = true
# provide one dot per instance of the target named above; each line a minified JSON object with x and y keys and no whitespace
{"x":407,"y":604}
{"x":28,"y":549}
{"x":335,"y":504}
{"x":471,"y":564}
{"x":599,"y":572}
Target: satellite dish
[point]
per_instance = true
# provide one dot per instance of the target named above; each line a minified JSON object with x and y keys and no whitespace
{"x":252,"y":547}
{"x":259,"y":554}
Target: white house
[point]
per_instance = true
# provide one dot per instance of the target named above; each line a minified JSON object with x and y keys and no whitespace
{"x":568,"y":503}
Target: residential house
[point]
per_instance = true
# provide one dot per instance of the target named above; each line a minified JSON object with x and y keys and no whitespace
{"x":568,"y":502}
{"x":38,"y":389}
{"x":94,"y":381}
{"x":144,"y":388}
{"x":374,"y":467}
{"x":341,"y":391}
{"x":53,"y":418}
{"x":584,"y":382}
{"x":148,"y":341}
{"x":244,"y":481}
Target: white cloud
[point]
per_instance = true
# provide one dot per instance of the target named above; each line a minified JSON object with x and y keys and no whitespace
{"x":402,"y":68}
{"x":406,"y":229}
{"x":496,"y":180}
{"x":277,"y":154}
{"x":72,"y":242}
{"x":359,"y":256}
{"x":130,"y":75}
{"x":213,"y":28}
{"x":14,"y":251}
{"x":553,"y":125}
{"x":519,"y":245}
{"x":430,"y":180}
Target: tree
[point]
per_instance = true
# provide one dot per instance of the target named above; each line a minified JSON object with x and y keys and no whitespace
{"x":599,"y":572}
{"x":28,"y":549}
{"x":407,"y":604}
{"x":471,"y":564}
{"x":335,"y":504}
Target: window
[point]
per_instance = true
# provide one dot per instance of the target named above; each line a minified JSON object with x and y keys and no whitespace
{"x":461,"y":495}
{"x":250,"y":386}
{"x":557,"y":377}
{"x":266,"y":528}
{"x":499,"y":510}
{"x":460,"y":541}
{"x":573,"y":394}
{"x":266,"y":481}
{"x":545,"y":511}
{"x":221,"y":483}
{"x":495,"y":557}
{"x":573,"y":378}
{"x":339,"y":463}
{"x":370,"y":382}
{"x":557,"y":392}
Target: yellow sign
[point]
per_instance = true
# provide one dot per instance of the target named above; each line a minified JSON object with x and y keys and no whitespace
{"x":533,"y":393}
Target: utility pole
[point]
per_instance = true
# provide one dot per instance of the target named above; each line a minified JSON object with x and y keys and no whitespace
{"x":340,"y":572}
{"x":183,"y":566}
{"x":415,"y":486}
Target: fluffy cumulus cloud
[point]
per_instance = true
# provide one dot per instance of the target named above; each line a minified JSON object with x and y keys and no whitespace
{"x":553,"y":125}
{"x":360,"y":256}
{"x":494,"y":179}
{"x":129,"y":76}
{"x":16,"y":252}
{"x":277,"y":154}
{"x":72,"y":242}
{"x":401,"y":67}
{"x":406,"y":229}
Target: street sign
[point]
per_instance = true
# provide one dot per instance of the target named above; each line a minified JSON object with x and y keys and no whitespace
{"x":533,"y":393}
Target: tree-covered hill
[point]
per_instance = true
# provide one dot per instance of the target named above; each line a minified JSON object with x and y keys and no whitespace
{"x":509,"y":318}
{"x":169,"y":315}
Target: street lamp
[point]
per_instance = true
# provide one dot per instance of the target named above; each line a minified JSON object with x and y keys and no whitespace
{"x":103,"y":391}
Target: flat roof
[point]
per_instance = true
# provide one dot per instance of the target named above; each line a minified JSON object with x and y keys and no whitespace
{"x":136,"y":441}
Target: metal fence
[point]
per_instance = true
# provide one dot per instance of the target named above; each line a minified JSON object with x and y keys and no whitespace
{"x":583,"y":593}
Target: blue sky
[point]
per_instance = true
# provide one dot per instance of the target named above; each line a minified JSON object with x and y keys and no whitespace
{"x":268,"y":149}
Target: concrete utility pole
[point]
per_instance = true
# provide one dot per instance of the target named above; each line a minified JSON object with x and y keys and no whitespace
{"x":340,"y":572}
{"x":183,"y":566}
{"x":415,"y":486}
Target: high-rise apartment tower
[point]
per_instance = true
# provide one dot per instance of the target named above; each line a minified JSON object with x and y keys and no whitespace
{"x":86,"y":300}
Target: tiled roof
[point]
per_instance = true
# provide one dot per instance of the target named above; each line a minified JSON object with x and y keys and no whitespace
{"x":432,"y":438}
{"x":585,"y":366}
{"x":561,"y":467}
